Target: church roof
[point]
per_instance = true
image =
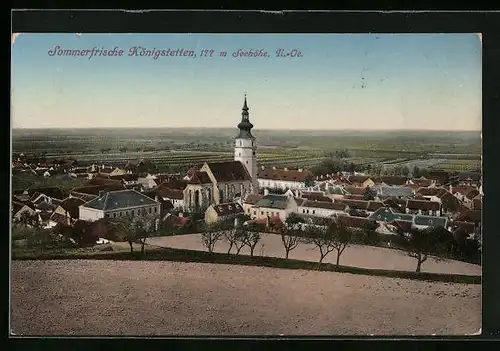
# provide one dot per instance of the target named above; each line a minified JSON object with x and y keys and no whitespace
{"x":229,"y":171}
{"x":245,"y":126}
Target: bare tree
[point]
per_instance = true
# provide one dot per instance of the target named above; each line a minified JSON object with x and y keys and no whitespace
{"x":290,"y":240}
{"x":330,"y":236}
{"x":210,"y":235}
{"x":341,"y":237}
{"x":126,"y":229}
{"x":322,"y":238}
{"x":250,"y":237}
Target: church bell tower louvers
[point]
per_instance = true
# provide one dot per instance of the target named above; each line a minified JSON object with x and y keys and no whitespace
{"x":245,"y":147}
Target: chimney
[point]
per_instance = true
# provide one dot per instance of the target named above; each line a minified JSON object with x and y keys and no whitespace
{"x":101,"y":193}
{"x":266,"y":191}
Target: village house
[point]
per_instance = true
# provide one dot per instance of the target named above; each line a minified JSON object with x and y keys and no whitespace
{"x":387,"y":214}
{"x":361,"y":181}
{"x":361,"y":207}
{"x":465,"y":194}
{"x":423,"y":207}
{"x":175,"y":196}
{"x":322,"y":209}
{"x":216,"y":183}
{"x":276,"y":178}
{"x":223,"y":212}
{"x":22,"y":210}
{"x":431,"y":194}
{"x":315,"y":196}
{"x":66,"y":213}
{"x":250,"y":202}
{"x":127,"y":179}
{"x":48,"y":192}
{"x":271,"y":205}
{"x":147,"y":181}
{"x":115,"y":204}
{"x":140,"y":166}
{"x":400,"y":192}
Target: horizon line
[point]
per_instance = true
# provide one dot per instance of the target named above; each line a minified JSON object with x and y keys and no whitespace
{"x":265,"y":129}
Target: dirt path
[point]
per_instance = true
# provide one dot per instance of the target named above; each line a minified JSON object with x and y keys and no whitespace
{"x":354,"y":255}
{"x":170,"y":298}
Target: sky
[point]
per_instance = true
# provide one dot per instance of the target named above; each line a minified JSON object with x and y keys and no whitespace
{"x":342,"y":81}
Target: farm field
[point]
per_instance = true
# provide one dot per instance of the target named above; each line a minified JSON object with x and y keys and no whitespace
{"x":85,"y":297}
{"x":177,"y":149}
{"x":354,"y":255}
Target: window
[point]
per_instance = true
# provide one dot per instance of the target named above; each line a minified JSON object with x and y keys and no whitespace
{"x":261,"y":213}
{"x":239,"y":153}
{"x":121,"y":213}
{"x":133,"y":212}
{"x":150,"y":210}
{"x":307,"y":211}
{"x":239,"y":143}
{"x":255,"y":213}
{"x":114,"y":215}
{"x":156,"y":209}
{"x":106,"y":215}
{"x":303,"y":211}
{"x":314,"y":211}
{"x":247,"y":162}
{"x":254,"y":153}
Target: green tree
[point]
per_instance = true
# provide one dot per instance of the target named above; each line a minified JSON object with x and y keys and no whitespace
{"x":419,"y":244}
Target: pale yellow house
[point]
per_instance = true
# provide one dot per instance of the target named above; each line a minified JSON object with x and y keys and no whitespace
{"x":221,"y":212}
{"x":117,"y":172}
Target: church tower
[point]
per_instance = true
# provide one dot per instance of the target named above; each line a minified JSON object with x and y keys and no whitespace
{"x":245,"y":147}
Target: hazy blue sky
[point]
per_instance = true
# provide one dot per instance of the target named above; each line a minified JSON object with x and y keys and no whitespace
{"x":362,"y":81}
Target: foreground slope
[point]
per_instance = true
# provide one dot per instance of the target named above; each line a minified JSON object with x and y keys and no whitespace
{"x":169,"y":298}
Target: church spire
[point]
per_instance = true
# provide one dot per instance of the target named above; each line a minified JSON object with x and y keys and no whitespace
{"x":245,"y":126}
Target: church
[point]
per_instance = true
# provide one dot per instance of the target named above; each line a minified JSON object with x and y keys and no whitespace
{"x":225,"y":182}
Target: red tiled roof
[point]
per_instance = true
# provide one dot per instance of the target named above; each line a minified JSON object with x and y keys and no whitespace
{"x":228,"y":209}
{"x":171,"y":193}
{"x":423,"y":205}
{"x":429,"y":191}
{"x":450,"y":202}
{"x":422,"y":182}
{"x":176,"y":221}
{"x":290,"y":175}
{"x":316,"y":197}
{"x":357,"y":179}
{"x":471,"y":194}
{"x":326,"y":205}
{"x":174,"y":184}
{"x":71,"y":205}
{"x":355,"y":190}
{"x":354,"y":197}
{"x":229,"y":171}
{"x":355,"y":204}
{"x":200,"y":178}
{"x":413,"y":186}
{"x":392,"y":180}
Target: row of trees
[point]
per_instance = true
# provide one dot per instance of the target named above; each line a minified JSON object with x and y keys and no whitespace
{"x":331,"y":235}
